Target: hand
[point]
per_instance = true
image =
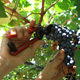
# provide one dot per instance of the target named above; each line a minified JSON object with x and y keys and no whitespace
{"x":22,"y":36}
{"x":55,"y":68}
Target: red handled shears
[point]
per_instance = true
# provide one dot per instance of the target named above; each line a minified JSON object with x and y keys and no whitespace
{"x":16,"y":50}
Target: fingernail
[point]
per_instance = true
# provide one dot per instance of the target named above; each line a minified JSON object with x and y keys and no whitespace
{"x":62,"y":54}
{"x":12,"y":32}
{"x":74,"y":67}
{"x":26,"y":28}
{"x":62,"y":51}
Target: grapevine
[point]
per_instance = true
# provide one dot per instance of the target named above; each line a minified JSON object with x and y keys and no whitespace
{"x":64,"y":37}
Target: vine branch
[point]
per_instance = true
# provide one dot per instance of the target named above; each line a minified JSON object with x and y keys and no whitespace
{"x":24,"y":18}
{"x":75,"y":15}
{"x":38,"y":67}
{"x":43,"y":12}
{"x":50,"y":6}
{"x":31,"y":14}
{"x":17,"y":14}
{"x":51,"y":16}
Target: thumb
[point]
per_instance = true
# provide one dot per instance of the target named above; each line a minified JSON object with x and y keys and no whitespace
{"x":4,"y":43}
{"x":37,"y":44}
{"x":59,"y":57}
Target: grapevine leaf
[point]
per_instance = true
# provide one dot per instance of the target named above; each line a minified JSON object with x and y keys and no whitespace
{"x":77,"y":56}
{"x":77,"y":4}
{"x":13,"y":22}
{"x":16,"y":3}
{"x":2,"y":10}
{"x":64,"y":5}
{"x":58,"y":9}
{"x":25,"y":3}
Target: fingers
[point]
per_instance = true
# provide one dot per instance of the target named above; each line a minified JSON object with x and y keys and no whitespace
{"x":32,"y":23}
{"x":72,"y":69}
{"x":58,"y":58}
{"x":21,"y":32}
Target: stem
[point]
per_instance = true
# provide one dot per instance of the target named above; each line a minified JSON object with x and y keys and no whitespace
{"x":50,"y":6}
{"x":17,"y":14}
{"x":20,"y":20}
{"x":42,"y":10}
{"x":16,"y":17}
{"x":42,"y":13}
{"x":77,"y":48}
{"x":75,"y":15}
{"x":50,"y":18}
{"x":32,"y":13}
{"x":38,"y":67}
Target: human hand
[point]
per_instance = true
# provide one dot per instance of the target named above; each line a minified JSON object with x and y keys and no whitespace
{"x":22,"y":36}
{"x":55,"y":68}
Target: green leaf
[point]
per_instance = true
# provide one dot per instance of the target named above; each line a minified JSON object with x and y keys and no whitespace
{"x":77,"y":56}
{"x":2,"y":10}
{"x":13,"y":22}
{"x":16,"y":4}
{"x":24,"y":3}
{"x":77,"y":4}
{"x":58,"y":9}
{"x":64,"y":5}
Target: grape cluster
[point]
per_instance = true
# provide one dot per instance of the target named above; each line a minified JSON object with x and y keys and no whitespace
{"x":67,"y":39}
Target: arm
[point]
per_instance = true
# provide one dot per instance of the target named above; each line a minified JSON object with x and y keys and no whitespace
{"x":9,"y":62}
{"x":55,"y":68}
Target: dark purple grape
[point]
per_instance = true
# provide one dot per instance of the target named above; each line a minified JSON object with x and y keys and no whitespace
{"x":64,"y":36}
{"x":77,"y":27}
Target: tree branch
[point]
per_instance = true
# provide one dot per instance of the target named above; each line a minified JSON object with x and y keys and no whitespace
{"x":38,"y":67}
{"x":17,"y":14}
{"x":50,"y":6}
{"x":76,"y":48}
{"x":75,"y":15}
{"x":16,"y":17}
{"x":51,"y":16}
{"x":20,"y":20}
{"x":32,"y":13}
{"x":42,"y":12}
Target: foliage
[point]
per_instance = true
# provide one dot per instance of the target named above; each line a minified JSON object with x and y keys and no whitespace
{"x":63,"y":12}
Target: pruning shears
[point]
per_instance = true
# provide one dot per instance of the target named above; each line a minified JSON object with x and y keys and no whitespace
{"x":16,"y":50}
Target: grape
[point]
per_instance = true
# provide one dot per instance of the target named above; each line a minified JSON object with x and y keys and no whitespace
{"x":77,"y":27}
{"x":45,"y":45}
{"x":65,"y":39}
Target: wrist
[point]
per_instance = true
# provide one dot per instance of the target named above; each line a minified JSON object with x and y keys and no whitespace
{"x":5,"y":66}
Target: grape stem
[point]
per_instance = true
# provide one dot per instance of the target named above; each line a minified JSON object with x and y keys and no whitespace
{"x":51,"y":16}
{"x":43,"y":12}
{"x":17,"y":14}
{"x":36,"y":66}
{"x":75,"y":15}
{"x":31,"y":14}
{"x":16,"y":17}
{"x":51,"y":6}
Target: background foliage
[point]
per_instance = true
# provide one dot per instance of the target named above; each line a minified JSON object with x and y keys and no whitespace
{"x":64,"y":12}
